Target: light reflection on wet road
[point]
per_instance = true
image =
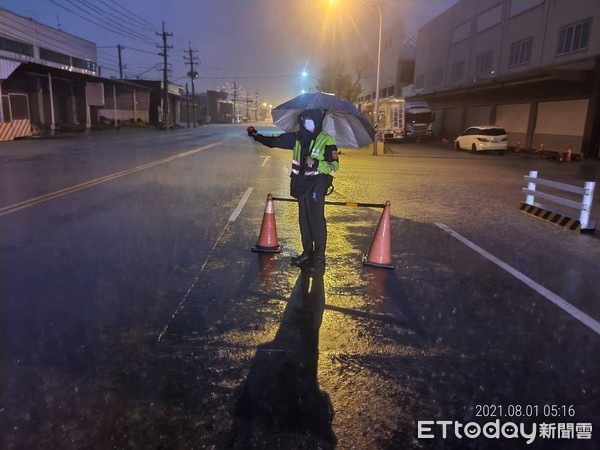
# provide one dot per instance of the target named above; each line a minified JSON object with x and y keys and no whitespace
{"x":260,"y":354}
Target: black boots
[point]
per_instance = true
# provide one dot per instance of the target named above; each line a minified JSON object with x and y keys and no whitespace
{"x":318,"y":264}
{"x":305,"y":259}
{"x":301,"y":260}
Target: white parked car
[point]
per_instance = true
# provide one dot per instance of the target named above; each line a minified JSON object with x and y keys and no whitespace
{"x":482,"y":138}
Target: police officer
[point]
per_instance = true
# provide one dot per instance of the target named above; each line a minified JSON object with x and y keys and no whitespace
{"x":315,"y":157}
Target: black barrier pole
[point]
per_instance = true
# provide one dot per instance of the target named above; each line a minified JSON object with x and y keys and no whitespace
{"x":354,"y":204}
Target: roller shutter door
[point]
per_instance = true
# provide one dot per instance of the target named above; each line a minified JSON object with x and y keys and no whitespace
{"x":437,"y":121}
{"x":514,"y":119}
{"x":453,"y":121}
{"x":479,"y":115}
{"x":560,"y":125}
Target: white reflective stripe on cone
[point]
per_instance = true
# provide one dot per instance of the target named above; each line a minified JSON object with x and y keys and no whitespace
{"x":269,"y":208}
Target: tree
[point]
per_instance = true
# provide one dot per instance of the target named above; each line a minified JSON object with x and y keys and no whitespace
{"x":337,"y":79}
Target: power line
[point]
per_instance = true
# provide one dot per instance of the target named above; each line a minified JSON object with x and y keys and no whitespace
{"x":111,"y":24}
{"x":109,"y":68}
{"x":155,"y":66}
{"x":104,"y":54}
{"x":38,"y":32}
{"x":249,"y":77}
{"x":91,"y":21}
{"x":134,"y":15}
{"x":108,"y":14}
{"x":141,"y":51}
{"x":104,"y":59}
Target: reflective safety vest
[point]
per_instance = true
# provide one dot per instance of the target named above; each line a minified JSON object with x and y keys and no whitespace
{"x":318,"y":153}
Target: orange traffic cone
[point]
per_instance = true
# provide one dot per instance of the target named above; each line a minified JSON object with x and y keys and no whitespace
{"x":267,"y":241}
{"x":518,"y":147}
{"x":569,"y":154}
{"x":381,"y":246}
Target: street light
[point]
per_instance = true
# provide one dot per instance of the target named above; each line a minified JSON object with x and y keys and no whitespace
{"x":377,"y":80}
{"x":303,"y":77}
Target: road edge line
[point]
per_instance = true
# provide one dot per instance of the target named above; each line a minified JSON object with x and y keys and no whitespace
{"x":545,"y":292}
{"x":236,"y":212}
{"x":179,"y":306}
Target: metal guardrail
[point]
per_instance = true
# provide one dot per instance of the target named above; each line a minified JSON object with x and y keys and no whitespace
{"x":583,"y":208}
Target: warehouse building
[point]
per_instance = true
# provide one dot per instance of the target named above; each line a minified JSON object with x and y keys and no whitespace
{"x":49,"y":81}
{"x":530,"y":66}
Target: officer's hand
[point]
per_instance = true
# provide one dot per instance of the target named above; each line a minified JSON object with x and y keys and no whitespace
{"x":309,"y":161}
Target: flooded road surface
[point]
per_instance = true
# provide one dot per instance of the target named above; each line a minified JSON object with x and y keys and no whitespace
{"x":194,"y":341}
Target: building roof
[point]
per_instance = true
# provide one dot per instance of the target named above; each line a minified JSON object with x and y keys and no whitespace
{"x":40,"y":69}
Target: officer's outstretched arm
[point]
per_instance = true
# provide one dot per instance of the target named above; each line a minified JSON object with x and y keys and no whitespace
{"x":285,"y":140}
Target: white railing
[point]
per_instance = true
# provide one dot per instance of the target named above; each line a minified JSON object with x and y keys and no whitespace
{"x":583,"y":207}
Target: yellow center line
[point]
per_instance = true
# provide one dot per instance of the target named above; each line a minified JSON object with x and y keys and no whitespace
{"x":78,"y":187}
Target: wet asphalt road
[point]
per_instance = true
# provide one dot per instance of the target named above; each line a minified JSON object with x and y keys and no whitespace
{"x":135,"y":316}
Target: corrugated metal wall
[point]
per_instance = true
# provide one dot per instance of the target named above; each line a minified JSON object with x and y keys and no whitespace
{"x":514,"y":119}
{"x":453,"y":125}
{"x":560,"y":125}
{"x":478,"y":115}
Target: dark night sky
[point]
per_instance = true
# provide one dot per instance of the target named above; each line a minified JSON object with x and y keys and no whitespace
{"x":263,"y":44}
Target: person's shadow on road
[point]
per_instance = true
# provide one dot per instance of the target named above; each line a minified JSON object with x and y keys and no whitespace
{"x":281,"y":401}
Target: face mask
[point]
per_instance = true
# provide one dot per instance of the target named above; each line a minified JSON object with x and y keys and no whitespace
{"x":309,"y":125}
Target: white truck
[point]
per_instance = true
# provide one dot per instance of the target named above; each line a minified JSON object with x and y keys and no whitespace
{"x":404,"y":119}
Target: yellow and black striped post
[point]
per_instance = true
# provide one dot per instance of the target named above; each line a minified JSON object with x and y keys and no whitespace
{"x":552,"y":217}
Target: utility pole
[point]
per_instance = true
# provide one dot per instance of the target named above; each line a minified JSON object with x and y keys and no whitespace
{"x":165,"y":123}
{"x":187,"y":105}
{"x":248,"y":101}
{"x":234,"y":101}
{"x":120,"y":62}
{"x":192,"y":74}
{"x":256,"y":107}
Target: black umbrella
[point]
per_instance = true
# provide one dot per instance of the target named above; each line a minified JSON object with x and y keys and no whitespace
{"x":343,"y":120}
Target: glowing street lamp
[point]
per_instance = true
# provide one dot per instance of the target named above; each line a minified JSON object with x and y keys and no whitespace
{"x":303,"y":78}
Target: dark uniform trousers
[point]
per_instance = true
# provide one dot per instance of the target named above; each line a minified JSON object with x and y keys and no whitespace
{"x":313,"y":228}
